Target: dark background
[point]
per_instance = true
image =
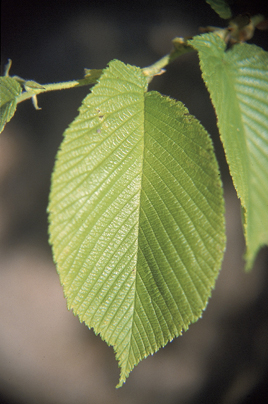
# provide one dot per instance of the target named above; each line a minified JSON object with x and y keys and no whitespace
{"x":46,"y":355}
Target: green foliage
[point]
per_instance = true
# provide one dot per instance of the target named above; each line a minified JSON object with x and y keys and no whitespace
{"x":10,"y":89}
{"x":237,"y":81}
{"x":136,"y":206}
{"x":136,"y":216}
{"x":221,"y":7}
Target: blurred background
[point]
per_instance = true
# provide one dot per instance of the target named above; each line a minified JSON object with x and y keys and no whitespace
{"x":46,"y":355}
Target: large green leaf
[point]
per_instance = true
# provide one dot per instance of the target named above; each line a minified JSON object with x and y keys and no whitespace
{"x":237,"y":81}
{"x":9,"y":90}
{"x":136,"y":216}
{"x":221,"y":7}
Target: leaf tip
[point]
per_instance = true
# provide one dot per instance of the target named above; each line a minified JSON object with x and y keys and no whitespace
{"x":120,"y":383}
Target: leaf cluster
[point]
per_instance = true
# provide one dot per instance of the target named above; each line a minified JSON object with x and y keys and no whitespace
{"x":136,"y":206}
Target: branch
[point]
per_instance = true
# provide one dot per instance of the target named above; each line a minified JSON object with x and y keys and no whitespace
{"x":180,"y":46}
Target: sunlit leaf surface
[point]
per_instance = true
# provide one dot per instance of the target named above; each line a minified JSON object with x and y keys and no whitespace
{"x":237,"y":81}
{"x":136,"y":216}
{"x":9,"y":90}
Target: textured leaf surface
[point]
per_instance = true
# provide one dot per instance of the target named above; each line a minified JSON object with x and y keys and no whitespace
{"x":237,"y":81}
{"x":9,"y":90}
{"x":136,"y":216}
{"x":221,"y":7}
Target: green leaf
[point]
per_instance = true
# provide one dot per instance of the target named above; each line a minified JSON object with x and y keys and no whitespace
{"x":9,"y":90}
{"x":221,"y":7}
{"x":237,"y":81}
{"x":136,"y":216}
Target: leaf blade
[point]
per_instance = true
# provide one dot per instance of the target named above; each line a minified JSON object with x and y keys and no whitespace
{"x":237,"y":81}
{"x":119,"y":258}
{"x":221,"y":7}
{"x":10,"y":89}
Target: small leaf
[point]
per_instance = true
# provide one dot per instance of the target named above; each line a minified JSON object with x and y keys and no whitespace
{"x":221,"y":7}
{"x":9,"y":90}
{"x":30,"y":84}
{"x":136,"y":216}
{"x":237,"y":81}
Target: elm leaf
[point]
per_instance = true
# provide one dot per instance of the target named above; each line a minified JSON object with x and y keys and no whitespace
{"x":136,"y":216}
{"x":237,"y":81}
{"x":221,"y":7}
{"x":9,"y":90}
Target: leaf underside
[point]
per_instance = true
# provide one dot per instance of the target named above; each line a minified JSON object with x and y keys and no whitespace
{"x":9,"y":90}
{"x":136,"y":216}
{"x":237,"y":81}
